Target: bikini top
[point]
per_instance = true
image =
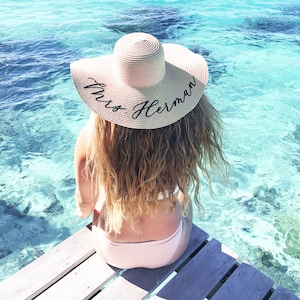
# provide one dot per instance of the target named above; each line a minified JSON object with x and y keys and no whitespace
{"x":161,"y":195}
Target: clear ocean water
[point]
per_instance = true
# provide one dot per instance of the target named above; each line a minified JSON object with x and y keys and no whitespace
{"x":253,"y":52}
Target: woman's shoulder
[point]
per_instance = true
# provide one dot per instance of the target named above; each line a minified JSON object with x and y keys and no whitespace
{"x":83,"y":141}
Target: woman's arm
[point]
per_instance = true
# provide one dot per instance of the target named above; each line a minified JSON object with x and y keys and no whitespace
{"x":85,"y":197}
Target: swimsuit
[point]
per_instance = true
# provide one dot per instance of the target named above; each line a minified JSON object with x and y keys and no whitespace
{"x":152,"y":254}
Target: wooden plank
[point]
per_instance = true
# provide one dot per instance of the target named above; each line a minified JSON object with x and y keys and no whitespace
{"x":137,"y":283}
{"x":201,"y":275}
{"x":280,"y":293}
{"x":82,"y":282}
{"x":120,"y":289}
{"x":245,"y":283}
{"x":50,"y":267}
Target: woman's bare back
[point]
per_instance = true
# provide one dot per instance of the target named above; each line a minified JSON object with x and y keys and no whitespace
{"x":147,"y":228}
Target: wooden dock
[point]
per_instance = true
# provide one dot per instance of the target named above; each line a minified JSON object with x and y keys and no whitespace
{"x":207,"y":270}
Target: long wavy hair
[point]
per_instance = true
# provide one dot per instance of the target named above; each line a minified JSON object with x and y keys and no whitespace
{"x":130,"y":168}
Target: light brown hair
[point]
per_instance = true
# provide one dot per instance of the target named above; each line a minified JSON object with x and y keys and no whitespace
{"x":134,"y":166}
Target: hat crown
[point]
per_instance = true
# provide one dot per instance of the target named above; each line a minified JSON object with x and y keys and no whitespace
{"x":139,"y":60}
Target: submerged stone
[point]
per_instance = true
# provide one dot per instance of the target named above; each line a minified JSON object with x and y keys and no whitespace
{"x":54,"y":207}
{"x":268,"y":260}
{"x":42,"y":60}
{"x":271,"y":25}
{"x":216,"y":68}
{"x":268,"y":195}
{"x":289,"y":227}
{"x":291,"y":10}
{"x":12,"y":210}
{"x":160,"y":21}
{"x":4,"y":252}
{"x":293,"y":243}
{"x":296,"y":133}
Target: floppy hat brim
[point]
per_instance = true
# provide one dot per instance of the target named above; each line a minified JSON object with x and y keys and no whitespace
{"x":186,"y":75}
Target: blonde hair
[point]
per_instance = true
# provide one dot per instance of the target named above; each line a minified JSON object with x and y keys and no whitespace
{"x":134,"y":166}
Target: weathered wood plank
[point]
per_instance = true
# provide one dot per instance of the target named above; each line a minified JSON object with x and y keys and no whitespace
{"x":245,"y":283}
{"x":201,"y":275}
{"x":82,"y":282}
{"x":282,"y":294}
{"x":121,"y":289}
{"x":72,"y":270}
{"x":136,"y":283}
{"x":50,"y":267}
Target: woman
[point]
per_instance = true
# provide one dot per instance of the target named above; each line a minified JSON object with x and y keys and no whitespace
{"x":150,"y":132}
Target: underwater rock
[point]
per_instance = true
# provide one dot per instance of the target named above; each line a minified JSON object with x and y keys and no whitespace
{"x":246,"y":229}
{"x":271,"y":25}
{"x":42,"y":61}
{"x":262,"y":201}
{"x":200,"y":50}
{"x":54,"y":208}
{"x":25,"y":237}
{"x":249,"y":203}
{"x":28,"y":230}
{"x":266,"y":210}
{"x":293,"y":243}
{"x":296,"y":163}
{"x":296,"y":133}
{"x":155,"y":20}
{"x":295,"y":138}
{"x":27,"y":208}
{"x":268,"y":260}
{"x":28,"y":255}
{"x":66,"y":188}
{"x":69,"y":182}
{"x":267,"y":195}
{"x":10,"y":209}
{"x":289,"y":227}
{"x":216,"y":68}
{"x":4,"y":252}
{"x":291,"y":10}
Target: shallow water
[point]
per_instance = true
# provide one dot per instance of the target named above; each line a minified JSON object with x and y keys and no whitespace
{"x":253,"y":55}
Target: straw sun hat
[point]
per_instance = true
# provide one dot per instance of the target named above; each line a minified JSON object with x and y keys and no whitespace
{"x":144,"y":84}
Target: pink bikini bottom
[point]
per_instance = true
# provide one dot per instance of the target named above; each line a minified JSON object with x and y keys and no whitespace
{"x":152,"y":254}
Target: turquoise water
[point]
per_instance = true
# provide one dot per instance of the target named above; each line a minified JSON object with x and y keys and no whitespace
{"x":253,"y":53}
